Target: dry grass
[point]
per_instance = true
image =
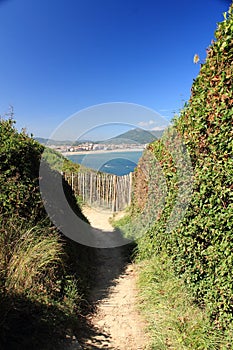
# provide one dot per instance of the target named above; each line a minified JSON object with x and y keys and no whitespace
{"x":35,"y":253}
{"x":39,"y":293}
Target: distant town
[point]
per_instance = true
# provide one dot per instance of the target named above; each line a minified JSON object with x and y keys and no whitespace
{"x":135,"y":139}
{"x":88,"y":146}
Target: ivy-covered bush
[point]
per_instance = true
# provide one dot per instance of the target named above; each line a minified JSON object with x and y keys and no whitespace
{"x":201,"y":246}
{"x":43,"y":275}
{"x":19,"y":169}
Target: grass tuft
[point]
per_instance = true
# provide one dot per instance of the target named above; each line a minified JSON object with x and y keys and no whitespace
{"x":175,"y":322}
{"x":35,"y":252}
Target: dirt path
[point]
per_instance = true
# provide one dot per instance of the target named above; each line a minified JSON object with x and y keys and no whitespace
{"x":117,"y":324}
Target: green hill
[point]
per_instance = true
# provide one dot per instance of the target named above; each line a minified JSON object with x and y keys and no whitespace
{"x":132,"y":136}
{"x":44,"y":141}
{"x":139,"y":136}
{"x":157,"y":133}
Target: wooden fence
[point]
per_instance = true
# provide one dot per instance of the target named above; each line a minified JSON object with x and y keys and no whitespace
{"x":102,"y":189}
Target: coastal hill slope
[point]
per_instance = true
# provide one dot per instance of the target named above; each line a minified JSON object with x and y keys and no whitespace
{"x":136,"y":135}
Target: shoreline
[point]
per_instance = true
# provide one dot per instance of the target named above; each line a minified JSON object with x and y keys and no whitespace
{"x":102,"y":151}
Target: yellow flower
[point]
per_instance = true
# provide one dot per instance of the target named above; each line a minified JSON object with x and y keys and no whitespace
{"x":196,"y":59}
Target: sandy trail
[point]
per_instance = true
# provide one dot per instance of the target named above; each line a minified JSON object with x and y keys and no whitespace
{"x":117,"y":324}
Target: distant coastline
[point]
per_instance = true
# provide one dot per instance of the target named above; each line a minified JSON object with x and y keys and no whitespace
{"x":103,"y":151}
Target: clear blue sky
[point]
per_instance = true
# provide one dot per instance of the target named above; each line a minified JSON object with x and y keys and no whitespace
{"x":60,"y":56}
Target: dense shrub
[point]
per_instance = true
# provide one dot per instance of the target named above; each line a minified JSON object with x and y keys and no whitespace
{"x":201,"y":246}
{"x":19,"y":168}
{"x":40,"y":269}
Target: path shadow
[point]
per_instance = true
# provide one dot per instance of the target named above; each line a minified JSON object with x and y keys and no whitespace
{"x":25,"y":325}
{"x":110,"y":263}
{"x":31,"y":325}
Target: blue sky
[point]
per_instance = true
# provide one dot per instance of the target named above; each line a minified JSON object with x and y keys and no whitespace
{"x":58,"y":57}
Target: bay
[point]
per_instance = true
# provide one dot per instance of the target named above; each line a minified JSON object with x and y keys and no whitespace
{"x":117,"y":163}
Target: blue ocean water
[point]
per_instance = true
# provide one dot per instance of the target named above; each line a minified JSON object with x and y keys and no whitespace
{"x":117,"y":163}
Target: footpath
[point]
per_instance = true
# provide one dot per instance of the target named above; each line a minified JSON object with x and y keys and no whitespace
{"x":116,"y":324}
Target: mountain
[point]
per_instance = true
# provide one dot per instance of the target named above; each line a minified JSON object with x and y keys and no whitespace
{"x":45,"y":141}
{"x":139,"y":136}
{"x":157,"y":133}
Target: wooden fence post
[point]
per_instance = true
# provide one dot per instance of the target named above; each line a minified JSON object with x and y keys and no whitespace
{"x":72,"y":181}
{"x":130,"y":187}
{"x":91,"y":188}
{"x":104,"y":190}
{"x":114,"y":193}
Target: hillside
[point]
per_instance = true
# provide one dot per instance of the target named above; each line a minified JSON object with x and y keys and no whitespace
{"x":157,"y":133}
{"x":139,"y":136}
{"x":47,"y":142}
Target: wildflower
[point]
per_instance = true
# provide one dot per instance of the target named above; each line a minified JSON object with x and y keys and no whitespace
{"x":196,"y":59}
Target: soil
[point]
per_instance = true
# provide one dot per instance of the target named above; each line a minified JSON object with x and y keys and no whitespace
{"x":116,"y":323}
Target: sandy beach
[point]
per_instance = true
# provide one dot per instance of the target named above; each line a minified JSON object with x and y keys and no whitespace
{"x":103,"y":151}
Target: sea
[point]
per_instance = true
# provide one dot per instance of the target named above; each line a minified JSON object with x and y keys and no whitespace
{"x":117,"y":163}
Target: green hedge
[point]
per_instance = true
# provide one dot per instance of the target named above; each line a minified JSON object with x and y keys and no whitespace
{"x":201,"y":247}
{"x":44,"y":276}
{"x":19,"y":168}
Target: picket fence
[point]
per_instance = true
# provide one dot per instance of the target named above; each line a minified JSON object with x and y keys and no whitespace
{"x":101,"y":189}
